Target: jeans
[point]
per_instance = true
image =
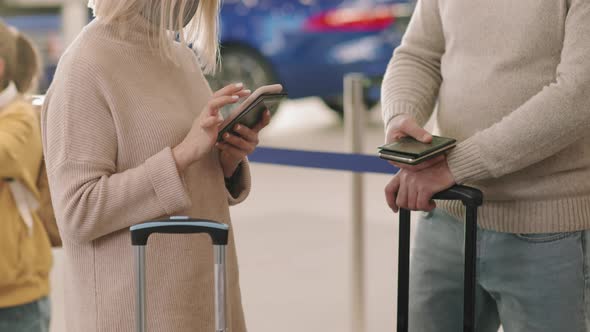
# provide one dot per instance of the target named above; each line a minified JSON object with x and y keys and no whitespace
{"x":30,"y":317}
{"x":526,"y":282}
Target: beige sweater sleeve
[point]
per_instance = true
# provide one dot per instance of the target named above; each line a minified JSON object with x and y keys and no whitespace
{"x":413,"y":77}
{"x":556,"y":117}
{"x":91,"y":199}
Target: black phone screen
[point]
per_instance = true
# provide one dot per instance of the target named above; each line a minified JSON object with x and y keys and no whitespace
{"x":253,"y":114}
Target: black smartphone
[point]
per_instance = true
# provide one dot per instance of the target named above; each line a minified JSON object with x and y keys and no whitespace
{"x":410,"y":151}
{"x":251,"y":111}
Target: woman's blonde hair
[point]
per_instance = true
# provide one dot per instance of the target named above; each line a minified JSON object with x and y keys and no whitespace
{"x":22,"y":64}
{"x":200,"y":31}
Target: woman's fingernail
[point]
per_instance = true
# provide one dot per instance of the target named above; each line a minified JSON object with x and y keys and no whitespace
{"x":235,"y":97}
{"x":247,"y":91}
{"x":226,"y":135}
{"x":238,"y":127}
{"x":239,"y":85}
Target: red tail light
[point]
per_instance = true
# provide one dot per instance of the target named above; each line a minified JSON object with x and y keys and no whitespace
{"x":352,"y":19}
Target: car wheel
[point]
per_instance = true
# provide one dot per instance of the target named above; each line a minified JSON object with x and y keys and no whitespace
{"x":241,"y":64}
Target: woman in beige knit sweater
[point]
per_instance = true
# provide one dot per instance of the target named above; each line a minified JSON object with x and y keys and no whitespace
{"x":129,"y":129}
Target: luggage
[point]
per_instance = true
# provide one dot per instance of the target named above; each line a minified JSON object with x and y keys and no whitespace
{"x":178,"y":225}
{"x":472,"y":199}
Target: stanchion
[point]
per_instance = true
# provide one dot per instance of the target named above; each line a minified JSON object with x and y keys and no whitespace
{"x":354,"y":123}
{"x":74,"y":15}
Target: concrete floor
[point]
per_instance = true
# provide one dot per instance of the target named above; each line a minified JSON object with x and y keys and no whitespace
{"x":293,"y":235}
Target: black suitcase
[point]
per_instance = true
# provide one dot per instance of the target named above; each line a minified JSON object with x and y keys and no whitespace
{"x":472,"y":199}
{"x":179,"y":225}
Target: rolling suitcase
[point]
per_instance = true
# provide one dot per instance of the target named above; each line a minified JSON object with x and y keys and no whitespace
{"x":181,"y":225}
{"x":472,"y":199}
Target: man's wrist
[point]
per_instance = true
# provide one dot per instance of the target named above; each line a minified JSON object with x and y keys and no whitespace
{"x":451,"y":181}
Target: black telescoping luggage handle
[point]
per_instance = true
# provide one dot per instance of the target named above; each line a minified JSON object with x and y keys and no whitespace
{"x":472,"y":199}
{"x":218,"y":232}
{"x":469,"y":196}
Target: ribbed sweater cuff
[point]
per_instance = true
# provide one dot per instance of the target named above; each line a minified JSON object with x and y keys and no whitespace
{"x":167,"y":183}
{"x":404,"y":107}
{"x":242,"y":185}
{"x":466,"y":164}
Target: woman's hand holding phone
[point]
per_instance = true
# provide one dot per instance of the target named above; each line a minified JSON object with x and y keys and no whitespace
{"x":235,"y":148}
{"x":203,"y":134}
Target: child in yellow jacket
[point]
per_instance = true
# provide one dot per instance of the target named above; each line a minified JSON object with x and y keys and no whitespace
{"x":25,"y":252}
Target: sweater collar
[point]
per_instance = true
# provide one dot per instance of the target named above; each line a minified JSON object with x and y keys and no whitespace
{"x":8,"y":95}
{"x":134,"y":30}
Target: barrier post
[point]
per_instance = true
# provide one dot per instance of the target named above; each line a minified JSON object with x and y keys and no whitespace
{"x":354,"y":122}
{"x":74,"y":17}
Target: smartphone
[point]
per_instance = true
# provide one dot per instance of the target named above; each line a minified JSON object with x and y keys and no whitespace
{"x":410,"y":151}
{"x":250,"y":112}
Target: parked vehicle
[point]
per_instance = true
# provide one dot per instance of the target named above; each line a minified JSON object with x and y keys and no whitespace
{"x":306,"y":45}
{"x":309,"y":45}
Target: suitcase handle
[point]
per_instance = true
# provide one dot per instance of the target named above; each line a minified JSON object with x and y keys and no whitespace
{"x":219,"y":234}
{"x":472,"y":198}
{"x":469,"y":196}
{"x":217,"y":231}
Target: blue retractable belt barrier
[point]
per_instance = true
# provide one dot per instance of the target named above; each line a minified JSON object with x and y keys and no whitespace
{"x":359,"y":163}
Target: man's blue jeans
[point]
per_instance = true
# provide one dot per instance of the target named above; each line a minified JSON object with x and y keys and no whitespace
{"x":526,"y":282}
{"x":30,"y":317}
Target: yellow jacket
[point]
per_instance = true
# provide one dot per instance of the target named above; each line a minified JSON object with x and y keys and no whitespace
{"x":25,"y":257}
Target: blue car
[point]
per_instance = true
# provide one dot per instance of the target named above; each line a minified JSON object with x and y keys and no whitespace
{"x":307,"y":45}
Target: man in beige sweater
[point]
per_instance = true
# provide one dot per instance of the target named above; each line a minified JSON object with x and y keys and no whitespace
{"x":512,"y":81}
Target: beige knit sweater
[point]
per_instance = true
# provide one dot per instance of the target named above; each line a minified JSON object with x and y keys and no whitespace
{"x":111,"y":116}
{"x":512,"y":80}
